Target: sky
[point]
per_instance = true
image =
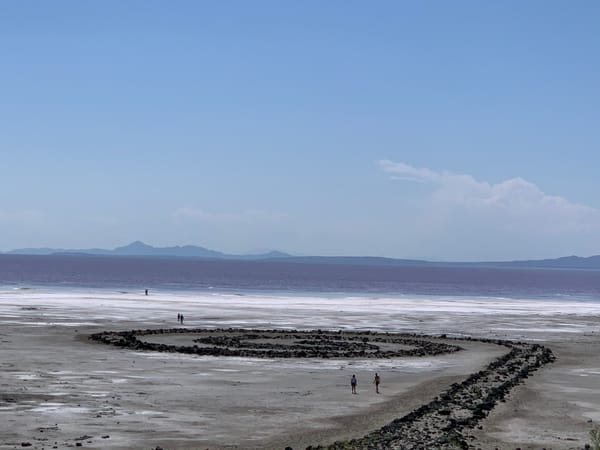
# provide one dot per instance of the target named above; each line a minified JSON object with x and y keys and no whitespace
{"x":461,"y":130}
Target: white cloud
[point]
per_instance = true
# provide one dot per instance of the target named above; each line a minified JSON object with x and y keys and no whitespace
{"x":409,"y":173}
{"x":515,"y":204}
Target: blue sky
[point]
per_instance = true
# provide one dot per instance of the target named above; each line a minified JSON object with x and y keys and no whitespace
{"x":459,"y":130}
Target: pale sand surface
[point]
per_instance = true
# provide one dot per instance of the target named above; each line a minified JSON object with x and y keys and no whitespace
{"x":57,"y":387}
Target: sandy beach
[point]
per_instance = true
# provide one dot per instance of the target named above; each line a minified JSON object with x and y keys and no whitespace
{"x":58,"y":389}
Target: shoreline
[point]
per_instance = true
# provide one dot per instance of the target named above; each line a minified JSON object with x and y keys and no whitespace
{"x":241,"y":402}
{"x":276,"y":293}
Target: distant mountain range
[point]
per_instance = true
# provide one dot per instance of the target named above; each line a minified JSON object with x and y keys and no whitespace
{"x":140,"y":249}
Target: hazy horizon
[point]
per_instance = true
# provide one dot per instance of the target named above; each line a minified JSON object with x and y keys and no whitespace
{"x":258,"y":253}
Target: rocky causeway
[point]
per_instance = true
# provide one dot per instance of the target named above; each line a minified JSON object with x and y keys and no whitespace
{"x":442,"y":423}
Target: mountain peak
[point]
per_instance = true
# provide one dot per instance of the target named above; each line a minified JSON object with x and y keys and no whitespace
{"x":136,"y":244}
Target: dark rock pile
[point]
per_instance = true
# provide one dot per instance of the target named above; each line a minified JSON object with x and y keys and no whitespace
{"x":444,"y":422}
{"x":283,"y":343}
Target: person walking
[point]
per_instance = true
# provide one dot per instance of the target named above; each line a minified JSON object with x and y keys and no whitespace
{"x":353,"y":383}
{"x":376,"y":381}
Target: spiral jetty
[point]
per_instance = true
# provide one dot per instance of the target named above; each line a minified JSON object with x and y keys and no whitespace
{"x":441,"y":424}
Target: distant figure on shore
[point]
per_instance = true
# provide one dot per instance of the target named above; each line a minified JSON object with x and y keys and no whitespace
{"x":181,"y":319}
{"x":146,"y":291}
{"x":376,"y":381}
{"x":353,"y":383}
{"x":178,"y":318}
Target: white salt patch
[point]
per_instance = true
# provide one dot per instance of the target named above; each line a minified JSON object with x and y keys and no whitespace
{"x":85,"y":307}
{"x":592,"y":412}
{"x":59,"y":409}
{"x":33,"y":324}
{"x":574,"y":389}
{"x":98,"y":394}
{"x":26,"y":376}
{"x":168,"y":356}
{"x":584,"y":372}
{"x":537,"y":330}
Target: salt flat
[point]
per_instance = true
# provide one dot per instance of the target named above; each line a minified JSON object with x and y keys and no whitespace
{"x":58,"y":389}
